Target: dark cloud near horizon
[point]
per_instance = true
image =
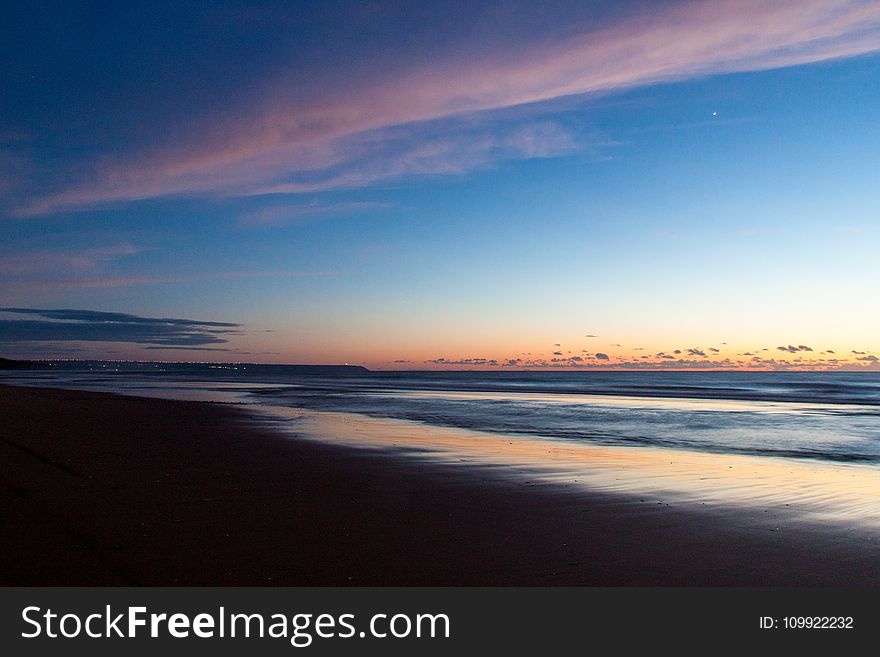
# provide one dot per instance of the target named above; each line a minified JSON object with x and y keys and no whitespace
{"x":792,"y":349}
{"x":70,"y":325}
{"x":693,"y":351}
{"x":464,"y":361}
{"x":601,"y":356}
{"x":101,"y":316}
{"x":164,"y":348}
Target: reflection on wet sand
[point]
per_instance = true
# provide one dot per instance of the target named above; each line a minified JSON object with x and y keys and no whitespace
{"x":847,"y":494}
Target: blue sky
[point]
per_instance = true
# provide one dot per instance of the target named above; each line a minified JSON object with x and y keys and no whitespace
{"x":368,"y":183}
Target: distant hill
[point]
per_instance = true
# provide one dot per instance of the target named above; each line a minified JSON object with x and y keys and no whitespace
{"x":7,"y":364}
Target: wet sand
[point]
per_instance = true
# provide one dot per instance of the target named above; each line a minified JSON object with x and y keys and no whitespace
{"x":104,"y":489}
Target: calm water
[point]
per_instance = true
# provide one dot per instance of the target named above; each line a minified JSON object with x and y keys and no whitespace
{"x":825,"y":416}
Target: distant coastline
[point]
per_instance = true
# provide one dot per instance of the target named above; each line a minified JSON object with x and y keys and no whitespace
{"x":295,"y":370}
{"x":11,"y":364}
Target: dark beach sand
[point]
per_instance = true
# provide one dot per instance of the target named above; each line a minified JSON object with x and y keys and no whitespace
{"x":102,"y":489}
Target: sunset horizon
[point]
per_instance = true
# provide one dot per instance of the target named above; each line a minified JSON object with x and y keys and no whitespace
{"x":142,"y":336}
{"x":340,"y":183}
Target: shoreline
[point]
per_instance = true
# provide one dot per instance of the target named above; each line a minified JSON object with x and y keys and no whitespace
{"x":102,"y":489}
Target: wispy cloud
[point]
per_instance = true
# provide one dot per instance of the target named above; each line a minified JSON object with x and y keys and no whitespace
{"x":295,"y":137}
{"x":430,"y":149}
{"x":61,"y":260}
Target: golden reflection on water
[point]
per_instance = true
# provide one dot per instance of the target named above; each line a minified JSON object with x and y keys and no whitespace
{"x":847,"y":493}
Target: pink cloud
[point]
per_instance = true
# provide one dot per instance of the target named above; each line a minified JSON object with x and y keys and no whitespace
{"x":328,"y":134}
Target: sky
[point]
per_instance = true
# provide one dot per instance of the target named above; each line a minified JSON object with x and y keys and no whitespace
{"x":449,"y":185}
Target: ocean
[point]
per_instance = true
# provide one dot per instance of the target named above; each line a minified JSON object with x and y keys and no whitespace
{"x":819,"y":416}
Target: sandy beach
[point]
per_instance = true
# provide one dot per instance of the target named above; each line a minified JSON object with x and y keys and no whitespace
{"x":102,"y":489}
